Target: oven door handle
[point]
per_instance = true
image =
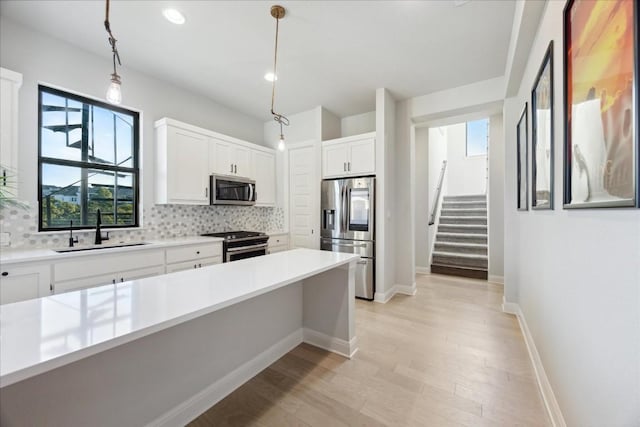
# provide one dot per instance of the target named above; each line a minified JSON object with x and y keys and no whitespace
{"x":245,"y":249}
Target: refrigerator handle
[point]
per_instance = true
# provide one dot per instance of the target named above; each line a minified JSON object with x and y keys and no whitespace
{"x":345,"y":202}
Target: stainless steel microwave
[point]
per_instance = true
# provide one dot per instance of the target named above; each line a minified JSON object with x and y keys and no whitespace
{"x":232,"y":190}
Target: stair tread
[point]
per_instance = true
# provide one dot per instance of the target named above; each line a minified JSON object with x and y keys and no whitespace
{"x":463,"y":267}
{"x":459,"y":255}
{"x":465,"y":217}
{"x":463,"y":244}
{"x":463,"y":225}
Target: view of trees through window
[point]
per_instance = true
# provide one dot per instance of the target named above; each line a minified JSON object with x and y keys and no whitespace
{"x":88,"y":161}
{"x":477,"y":137}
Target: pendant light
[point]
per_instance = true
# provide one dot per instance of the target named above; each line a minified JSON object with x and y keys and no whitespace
{"x":278,"y":13}
{"x":114,"y":94}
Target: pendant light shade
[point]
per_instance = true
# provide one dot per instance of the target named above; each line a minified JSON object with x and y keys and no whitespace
{"x":114,"y":92}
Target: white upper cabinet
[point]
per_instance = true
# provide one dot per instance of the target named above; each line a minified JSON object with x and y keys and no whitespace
{"x":10,"y":83}
{"x":351,"y":156}
{"x":182,"y":166}
{"x":187,"y":155}
{"x":264,"y":173}
{"x":228,"y":158}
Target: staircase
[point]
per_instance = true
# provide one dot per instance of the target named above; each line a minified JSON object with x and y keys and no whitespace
{"x":460,"y":247}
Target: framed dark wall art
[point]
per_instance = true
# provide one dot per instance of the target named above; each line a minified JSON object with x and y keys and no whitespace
{"x":601,"y":112}
{"x":522,"y":160}
{"x":542,"y":135}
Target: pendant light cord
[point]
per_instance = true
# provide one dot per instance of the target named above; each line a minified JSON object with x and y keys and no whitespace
{"x":112,"y":39}
{"x":276,"y":116}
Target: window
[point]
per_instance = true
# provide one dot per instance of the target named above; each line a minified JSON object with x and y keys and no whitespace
{"x":477,"y":137}
{"x":88,"y":160}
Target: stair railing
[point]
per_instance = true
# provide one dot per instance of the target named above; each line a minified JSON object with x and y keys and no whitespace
{"x":436,"y":199}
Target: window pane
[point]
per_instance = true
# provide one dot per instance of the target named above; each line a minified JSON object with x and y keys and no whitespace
{"x":60,"y":199}
{"x":111,"y":138}
{"x":68,"y":195}
{"x":61,"y":131}
{"x":477,"y":137}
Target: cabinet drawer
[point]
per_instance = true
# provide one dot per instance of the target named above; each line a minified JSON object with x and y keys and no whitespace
{"x":19,"y":283}
{"x":107,"y":279}
{"x":106,"y":264}
{"x":279,"y":240}
{"x":280,"y":248}
{"x":190,"y":265}
{"x":194,"y":252}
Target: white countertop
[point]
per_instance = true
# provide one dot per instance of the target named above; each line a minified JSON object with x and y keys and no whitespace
{"x":42,"y":334}
{"x":10,"y":256}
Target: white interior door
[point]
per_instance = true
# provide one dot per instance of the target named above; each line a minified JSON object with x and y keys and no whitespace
{"x":304,"y":196}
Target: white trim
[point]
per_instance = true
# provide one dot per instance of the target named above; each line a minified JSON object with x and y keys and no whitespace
{"x":549,"y":398}
{"x":384,"y":297}
{"x":335,"y":345}
{"x":203,"y":400}
{"x":406,"y":289}
{"x":496,"y":279}
{"x":509,"y":307}
{"x":423,"y":270}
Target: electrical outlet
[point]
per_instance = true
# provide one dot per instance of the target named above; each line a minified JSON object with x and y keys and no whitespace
{"x":5,"y":239}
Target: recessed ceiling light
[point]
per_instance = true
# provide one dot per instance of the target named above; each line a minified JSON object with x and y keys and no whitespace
{"x":174,"y":16}
{"x":270,"y":77}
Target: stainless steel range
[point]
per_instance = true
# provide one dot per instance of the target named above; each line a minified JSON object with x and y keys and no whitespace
{"x":242,"y":244}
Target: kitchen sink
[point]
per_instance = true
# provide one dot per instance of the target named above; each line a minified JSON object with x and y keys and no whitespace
{"x":94,"y":248}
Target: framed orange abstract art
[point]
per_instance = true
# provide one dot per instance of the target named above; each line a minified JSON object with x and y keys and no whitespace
{"x":601,"y":103}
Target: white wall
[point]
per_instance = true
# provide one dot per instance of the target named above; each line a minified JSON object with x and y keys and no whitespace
{"x":331,"y":125}
{"x":466,"y":175}
{"x":575,"y":275}
{"x":385,"y":192}
{"x":423,"y":202}
{"x":437,"y":154}
{"x":359,"y":123}
{"x":495,"y":198}
{"x":43,"y":59}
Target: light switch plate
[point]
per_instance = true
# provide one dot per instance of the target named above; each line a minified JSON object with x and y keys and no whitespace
{"x":5,"y":239}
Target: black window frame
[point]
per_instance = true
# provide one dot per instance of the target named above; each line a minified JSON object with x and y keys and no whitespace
{"x":134,"y":170}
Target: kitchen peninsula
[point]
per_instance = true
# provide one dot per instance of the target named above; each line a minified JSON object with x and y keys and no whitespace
{"x":163,"y":349}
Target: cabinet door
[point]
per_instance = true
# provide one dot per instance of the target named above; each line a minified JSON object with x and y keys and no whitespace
{"x":85,"y":282}
{"x":10,"y":82}
{"x":141,"y":273}
{"x":264,"y":169}
{"x":24,"y":282}
{"x":190,"y":265}
{"x":362,"y":157}
{"x":187,"y":169}
{"x":242,"y":161}
{"x":220,"y":157}
{"x":334,"y":160}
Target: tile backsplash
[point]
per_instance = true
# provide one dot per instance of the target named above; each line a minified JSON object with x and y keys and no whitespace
{"x":159,"y":222}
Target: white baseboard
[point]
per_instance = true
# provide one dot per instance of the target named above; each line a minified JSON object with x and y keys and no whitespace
{"x":335,"y":345}
{"x":423,"y":270}
{"x":203,"y":400}
{"x":384,"y":297}
{"x":549,"y":398}
{"x":509,"y":307}
{"x":496,"y":279}
{"x":406,"y":289}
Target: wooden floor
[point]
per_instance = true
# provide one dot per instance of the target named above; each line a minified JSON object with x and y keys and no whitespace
{"x":447,"y":356}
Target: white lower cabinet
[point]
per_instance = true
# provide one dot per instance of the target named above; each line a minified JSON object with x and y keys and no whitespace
{"x":107,"y":279}
{"x":104,"y":269}
{"x":24,"y":281}
{"x":193,"y":256}
{"x":278,"y":242}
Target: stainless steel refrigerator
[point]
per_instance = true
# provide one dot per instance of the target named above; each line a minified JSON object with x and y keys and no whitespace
{"x":348,"y":224}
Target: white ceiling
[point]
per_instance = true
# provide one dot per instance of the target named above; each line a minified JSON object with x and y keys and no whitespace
{"x":332,"y":53}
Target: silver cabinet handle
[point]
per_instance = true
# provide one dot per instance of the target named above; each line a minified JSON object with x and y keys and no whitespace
{"x":349,"y":166}
{"x":231,"y":168}
{"x":344,"y":167}
{"x":235,"y":169}
{"x":206,"y":192}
